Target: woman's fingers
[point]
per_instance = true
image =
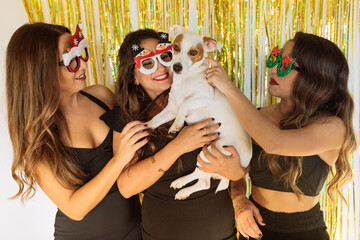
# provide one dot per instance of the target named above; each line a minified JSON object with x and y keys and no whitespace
{"x":258,"y":217}
{"x":202,"y":125}
{"x":212,"y":61}
{"x":132,"y":128}
{"x":232,"y":151}
{"x":130,"y":125}
{"x":140,"y":144}
{"x":207,"y":130}
{"x":137,"y":136}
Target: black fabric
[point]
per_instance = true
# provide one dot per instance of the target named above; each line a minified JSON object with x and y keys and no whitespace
{"x":114,"y":218}
{"x":96,"y":100}
{"x":307,"y":225}
{"x":204,"y":215}
{"x":314,"y":174}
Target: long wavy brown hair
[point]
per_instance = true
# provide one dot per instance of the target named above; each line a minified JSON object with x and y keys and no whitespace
{"x":319,"y":90}
{"x":133,"y":99}
{"x":33,"y":97}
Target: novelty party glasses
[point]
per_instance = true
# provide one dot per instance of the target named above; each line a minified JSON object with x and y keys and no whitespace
{"x":146,"y":61}
{"x":285,"y":64}
{"x":74,"y":64}
{"x":75,"y":49}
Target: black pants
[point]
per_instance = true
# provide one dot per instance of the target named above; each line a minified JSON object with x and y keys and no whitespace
{"x":317,"y":234}
{"x":307,"y":225}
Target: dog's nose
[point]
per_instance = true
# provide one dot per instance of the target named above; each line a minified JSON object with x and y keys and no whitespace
{"x":177,"y":67}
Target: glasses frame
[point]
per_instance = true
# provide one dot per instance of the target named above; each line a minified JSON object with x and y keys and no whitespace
{"x":77,"y":59}
{"x":155,"y":57}
{"x":278,"y":61}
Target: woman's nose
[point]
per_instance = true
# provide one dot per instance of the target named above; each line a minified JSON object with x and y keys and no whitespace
{"x":160,"y":66}
{"x":83,"y":64}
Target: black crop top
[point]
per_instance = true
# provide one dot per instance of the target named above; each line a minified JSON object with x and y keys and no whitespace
{"x":314,"y":174}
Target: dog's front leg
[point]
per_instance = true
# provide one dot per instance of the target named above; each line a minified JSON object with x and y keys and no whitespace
{"x":185,"y":107}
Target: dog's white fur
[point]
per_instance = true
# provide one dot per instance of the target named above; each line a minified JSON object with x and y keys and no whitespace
{"x":193,"y":100}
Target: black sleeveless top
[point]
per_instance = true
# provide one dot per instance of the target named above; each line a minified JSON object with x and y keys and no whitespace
{"x":314,"y":174}
{"x":204,"y":215}
{"x":114,"y":218}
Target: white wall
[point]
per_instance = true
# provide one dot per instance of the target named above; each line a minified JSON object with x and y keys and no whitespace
{"x":35,"y":219}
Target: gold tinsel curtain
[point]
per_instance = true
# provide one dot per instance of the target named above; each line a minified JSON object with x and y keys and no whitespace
{"x":247,"y":30}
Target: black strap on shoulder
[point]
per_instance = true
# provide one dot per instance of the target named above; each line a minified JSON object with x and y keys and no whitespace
{"x":96,"y":100}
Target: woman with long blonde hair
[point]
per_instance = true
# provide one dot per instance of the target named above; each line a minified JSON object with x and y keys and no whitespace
{"x":296,"y":142}
{"x":59,"y":142}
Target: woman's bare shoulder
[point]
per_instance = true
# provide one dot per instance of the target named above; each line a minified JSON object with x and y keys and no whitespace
{"x":103,"y":93}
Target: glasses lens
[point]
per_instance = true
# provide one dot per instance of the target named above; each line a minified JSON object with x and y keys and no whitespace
{"x":74,"y":64}
{"x":166,"y":56}
{"x":283,"y":67}
{"x":148,"y":63}
{"x":273,"y":58}
{"x":85,"y":55}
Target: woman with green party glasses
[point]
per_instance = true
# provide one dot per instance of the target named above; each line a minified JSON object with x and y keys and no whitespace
{"x":296,"y":142}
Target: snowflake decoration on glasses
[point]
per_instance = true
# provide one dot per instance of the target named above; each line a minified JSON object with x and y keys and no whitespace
{"x":80,"y":35}
{"x":163,"y":36}
{"x":135,"y":47}
{"x":76,"y":42}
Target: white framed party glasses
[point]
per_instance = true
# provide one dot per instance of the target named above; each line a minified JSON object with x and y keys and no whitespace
{"x":147,"y":61}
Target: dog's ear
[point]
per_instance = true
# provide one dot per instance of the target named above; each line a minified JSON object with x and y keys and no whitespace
{"x":175,"y":30}
{"x":211,"y":44}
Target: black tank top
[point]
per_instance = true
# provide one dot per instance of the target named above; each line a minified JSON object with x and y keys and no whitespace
{"x":204,"y":215}
{"x":114,"y":218}
{"x":314,"y":174}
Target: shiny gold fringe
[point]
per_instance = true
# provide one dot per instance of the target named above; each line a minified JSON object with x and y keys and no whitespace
{"x":247,"y":30}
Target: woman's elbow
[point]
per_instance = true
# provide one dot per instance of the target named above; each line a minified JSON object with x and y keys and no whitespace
{"x":126,"y":191}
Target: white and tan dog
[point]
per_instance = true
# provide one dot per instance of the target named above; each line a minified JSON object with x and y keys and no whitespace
{"x":193,"y":100}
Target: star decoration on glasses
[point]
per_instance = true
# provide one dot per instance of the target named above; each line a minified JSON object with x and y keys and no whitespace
{"x":135,"y":47}
{"x":275,"y":51}
{"x":286,"y":61}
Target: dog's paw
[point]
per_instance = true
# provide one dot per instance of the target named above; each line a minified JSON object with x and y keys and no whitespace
{"x":176,"y":184}
{"x":174,"y":129}
{"x":182,"y":194}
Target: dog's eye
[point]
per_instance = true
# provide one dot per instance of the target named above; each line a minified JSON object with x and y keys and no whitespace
{"x":176,"y":48}
{"x":193,"y":52}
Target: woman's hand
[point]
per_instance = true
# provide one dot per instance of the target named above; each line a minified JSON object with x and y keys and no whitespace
{"x":131,"y":138}
{"x":218,"y":77}
{"x":245,"y":215}
{"x":196,"y":136}
{"x":226,"y":166}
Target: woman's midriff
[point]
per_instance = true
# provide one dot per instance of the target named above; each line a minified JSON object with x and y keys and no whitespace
{"x":282,"y":201}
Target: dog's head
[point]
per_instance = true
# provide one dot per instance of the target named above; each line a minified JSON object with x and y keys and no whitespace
{"x":189,"y":49}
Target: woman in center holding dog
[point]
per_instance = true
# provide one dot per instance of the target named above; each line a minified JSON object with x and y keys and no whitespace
{"x":141,"y":92}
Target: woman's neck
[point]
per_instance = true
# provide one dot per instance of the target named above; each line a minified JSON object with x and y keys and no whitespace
{"x":285,"y":108}
{"x":69,"y":102}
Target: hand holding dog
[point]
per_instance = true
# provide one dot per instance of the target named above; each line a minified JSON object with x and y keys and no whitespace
{"x":245,"y":215}
{"x":196,"y":136}
{"x":226,"y":166}
{"x":129,"y":140}
{"x":218,"y":77}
